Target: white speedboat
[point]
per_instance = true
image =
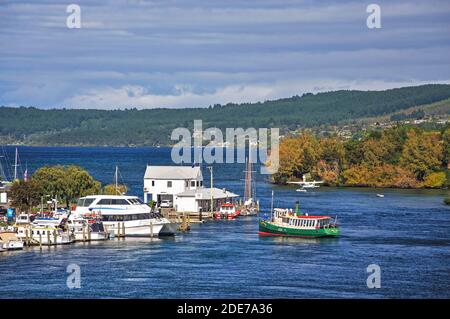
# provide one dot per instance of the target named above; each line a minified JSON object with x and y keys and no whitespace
{"x":10,"y":241}
{"x":129,"y":213}
{"x":41,"y":234}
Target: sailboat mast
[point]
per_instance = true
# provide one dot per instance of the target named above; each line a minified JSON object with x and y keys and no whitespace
{"x":15,"y":164}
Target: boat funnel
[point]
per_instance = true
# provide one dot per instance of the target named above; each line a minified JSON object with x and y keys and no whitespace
{"x":297,"y":208}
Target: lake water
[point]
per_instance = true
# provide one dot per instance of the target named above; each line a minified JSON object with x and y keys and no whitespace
{"x":407,"y":234}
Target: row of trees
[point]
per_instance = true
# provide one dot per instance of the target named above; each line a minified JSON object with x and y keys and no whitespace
{"x":154,"y":126}
{"x":404,"y":157}
{"x":67,"y":183}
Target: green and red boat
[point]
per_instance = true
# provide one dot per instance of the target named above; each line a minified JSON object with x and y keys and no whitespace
{"x":285,"y":222}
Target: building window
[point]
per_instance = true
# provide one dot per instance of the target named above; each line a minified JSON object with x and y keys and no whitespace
{"x":201,"y":183}
{"x":186,"y":184}
{"x":153,"y":183}
{"x":192,"y":183}
{"x":198,"y":183}
{"x":169,"y":184}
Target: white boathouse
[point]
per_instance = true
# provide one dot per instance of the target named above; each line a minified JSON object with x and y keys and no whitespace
{"x":3,"y":195}
{"x":183,"y":186}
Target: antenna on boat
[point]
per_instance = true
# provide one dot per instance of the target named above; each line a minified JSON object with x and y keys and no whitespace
{"x":271,"y":208}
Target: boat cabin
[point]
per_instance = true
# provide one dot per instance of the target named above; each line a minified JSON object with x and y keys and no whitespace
{"x":287,"y":217}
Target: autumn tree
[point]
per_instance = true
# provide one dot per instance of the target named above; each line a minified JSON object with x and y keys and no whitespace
{"x":66,"y":182}
{"x":25,"y":195}
{"x":446,"y":146}
{"x":298,"y":155}
{"x":112,"y":190}
{"x":422,"y":153}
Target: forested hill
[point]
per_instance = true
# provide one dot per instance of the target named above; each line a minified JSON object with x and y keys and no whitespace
{"x":151,"y":127}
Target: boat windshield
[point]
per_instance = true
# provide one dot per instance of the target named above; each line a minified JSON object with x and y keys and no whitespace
{"x":85,"y":202}
{"x":113,"y":201}
{"x":135,"y":201}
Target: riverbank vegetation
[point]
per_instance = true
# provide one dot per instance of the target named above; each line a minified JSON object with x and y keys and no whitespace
{"x":401,"y":157}
{"x":134,"y":127}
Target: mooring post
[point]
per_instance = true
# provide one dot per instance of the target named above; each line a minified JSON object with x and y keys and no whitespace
{"x":123,"y":229}
{"x":54,"y":236}
{"x":84,"y":234}
{"x":89,"y":232}
{"x":26,"y":237}
{"x":48,"y":238}
{"x":151,"y":229}
{"x":40,"y":241}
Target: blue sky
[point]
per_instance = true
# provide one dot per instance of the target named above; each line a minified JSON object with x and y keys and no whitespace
{"x":174,"y":53}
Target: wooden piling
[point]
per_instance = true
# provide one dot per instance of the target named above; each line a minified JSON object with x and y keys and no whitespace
{"x":89,"y":232}
{"x":48,"y":238}
{"x":151,"y":229}
{"x":40,"y":241}
{"x":54,"y":237}
{"x":123,"y":230}
{"x":26,"y":237}
{"x":84,"y":234}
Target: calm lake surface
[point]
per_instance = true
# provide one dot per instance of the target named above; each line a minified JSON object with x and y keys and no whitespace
{"x":407,"y":234}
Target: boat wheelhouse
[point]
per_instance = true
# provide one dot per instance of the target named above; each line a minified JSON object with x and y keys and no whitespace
{"x":286,"y":222}
{"x":129,"y":213}
{"x":87,"y":229}
{"x":227,"y":211}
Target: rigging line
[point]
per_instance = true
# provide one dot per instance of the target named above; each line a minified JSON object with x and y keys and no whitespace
{"x":7,"y":163}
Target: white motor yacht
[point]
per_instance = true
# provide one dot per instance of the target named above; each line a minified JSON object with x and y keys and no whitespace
{"x":118,"y":212}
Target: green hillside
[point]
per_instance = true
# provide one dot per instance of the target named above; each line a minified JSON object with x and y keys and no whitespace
{"x":151,"y":127}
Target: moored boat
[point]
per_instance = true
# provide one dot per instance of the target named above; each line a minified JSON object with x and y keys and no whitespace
{"x":125,"y":215}
{"x":227,"y":211}
{"x":250,"y":206}
{"x":87,"y":229}
{"x":10,"y":241}
{"x":44,"y":234}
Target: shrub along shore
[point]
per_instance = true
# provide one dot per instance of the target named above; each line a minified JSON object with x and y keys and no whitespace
{"x":399,"y":157}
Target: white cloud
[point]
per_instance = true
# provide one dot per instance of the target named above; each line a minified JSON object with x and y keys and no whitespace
{"x":175,"y":53}
{"x":129,"y":96}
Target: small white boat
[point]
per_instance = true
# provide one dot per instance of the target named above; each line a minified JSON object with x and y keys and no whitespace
{"x":301,"y":190}
{"x":38,"y":234}
{"x":380,"y":195}
{"x":10,"y":241}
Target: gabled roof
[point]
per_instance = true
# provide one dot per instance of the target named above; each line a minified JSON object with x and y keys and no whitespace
{"x":205,"y":193}
{"x":172,"y":172}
